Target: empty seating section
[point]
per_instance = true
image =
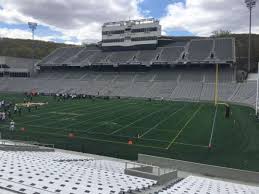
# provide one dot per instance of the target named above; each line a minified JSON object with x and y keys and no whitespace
{"x":224,"y":49}
{"x":147,"y":56}
{"x":117,"y":87}
{"x":91,"y":76}
{"x":200,"y":50}
{"x":201,"y":185}
{"x":167,"y":75}
{"x":208,"y":92}
{"x":68,"y":53}
{"x":52,"y":56}
{"x":161,"y":90}
{"x":75,"y":75}
{"x":246,"y":93}
{"x":144,"y":77}
{"x":226,"y":91}
{"x":174,"y":84}
{"x":197,"y":50}
{"x":107,"y":76}
{"x":122,"y":57}
{"x":171,"y":54}
{"x":210,"y":76}
{"x":83,"y":56}
{"x":192,"y":75}
{"x":138,"y":89}
{"x":99,"y":57}
{"x":187,"y":91}
{"x":57,"y":172}
{"x":125,"y":76}
{"x":226,"y":75}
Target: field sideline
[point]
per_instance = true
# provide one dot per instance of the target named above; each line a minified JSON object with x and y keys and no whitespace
{"x":179,"y":130}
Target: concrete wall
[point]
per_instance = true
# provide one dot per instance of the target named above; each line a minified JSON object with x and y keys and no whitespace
{"x":207,"y":170}
{"x":25,"y":148}
{"x":147,"y":172}
{"x":19,"y":63}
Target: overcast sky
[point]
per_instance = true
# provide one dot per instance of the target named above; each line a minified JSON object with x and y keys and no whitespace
{"x":77,"y":21}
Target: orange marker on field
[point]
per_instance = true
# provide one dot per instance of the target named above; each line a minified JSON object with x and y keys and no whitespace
{"x":71,"y":135}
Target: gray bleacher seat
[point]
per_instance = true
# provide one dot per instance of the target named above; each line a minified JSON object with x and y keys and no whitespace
{"x":166,"y":75}
{"x":224,"y":49}
{"x":100,"y":58}
{"x":171,"y":54}
{"x":200,"y":50}
{"x":122,"y":57}
{"x":137,"y":89}
{"x":68,"y":53}
{"x":84,"y":55}
{"x":147,"y":56}
{"x":107,"y":76}
{"x":202,"y":185}
{"x":144,"y":76}
{"x":191,"y":75}
{"x":161,"y":89}
{"x":246,"y":93}
{"x":52,"y":56}
{"x":187,"y":91}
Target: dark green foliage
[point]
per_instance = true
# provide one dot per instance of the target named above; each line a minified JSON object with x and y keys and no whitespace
{"x":221,"y":33}
{"x":23,"y":48}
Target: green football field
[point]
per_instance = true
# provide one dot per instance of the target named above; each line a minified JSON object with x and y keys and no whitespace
{"x":180,"y":130}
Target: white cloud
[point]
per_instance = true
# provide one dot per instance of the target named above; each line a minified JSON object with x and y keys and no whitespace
{"x":22,"y":34}
{"x":201,"y":17}
{"x":78,"y":18}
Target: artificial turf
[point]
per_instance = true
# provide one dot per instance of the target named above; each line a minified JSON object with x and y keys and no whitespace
{"x":180,"y":130}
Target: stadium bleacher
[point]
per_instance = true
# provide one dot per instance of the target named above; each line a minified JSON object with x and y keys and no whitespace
{"x":179,"y":84}
{"x":171,"y":54}
{"x":201,"y":185}
{"x":197,"y":51}
{"x":58,"y":172}
{"x":223,"y":49}
{"x":200,"y":50}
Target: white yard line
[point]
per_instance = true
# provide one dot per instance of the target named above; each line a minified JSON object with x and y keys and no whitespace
{"x":148,"y":115}
{"x":163,"y":120}
{"x":186,"y":124}
{"x":213,"y":125}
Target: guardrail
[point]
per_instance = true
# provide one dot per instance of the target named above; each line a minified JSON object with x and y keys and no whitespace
{"x":204,"y":169}
{"x":161,"y":175}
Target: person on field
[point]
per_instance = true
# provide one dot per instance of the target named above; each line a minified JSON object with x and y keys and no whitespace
{"x":20,"y":111}
{"x":15,"y":109}
{"x":2,"y":116}
{"x":12,"y":123}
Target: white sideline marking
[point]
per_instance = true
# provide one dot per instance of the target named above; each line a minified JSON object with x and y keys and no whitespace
{"x":213,"y":125}
{"x":186,"y":124}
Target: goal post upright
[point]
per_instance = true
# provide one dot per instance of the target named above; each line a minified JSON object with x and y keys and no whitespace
{"x":216,"y":85}
{"x":257,"y":84}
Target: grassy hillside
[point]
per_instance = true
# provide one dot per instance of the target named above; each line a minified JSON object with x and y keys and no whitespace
{"x":23,"y":48}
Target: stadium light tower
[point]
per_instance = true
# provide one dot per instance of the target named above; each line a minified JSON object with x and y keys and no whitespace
{"x":250,"y":5}
{"x":33,"y":27}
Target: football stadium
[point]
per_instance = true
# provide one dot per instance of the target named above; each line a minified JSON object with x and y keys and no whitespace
{"x":137,"y":112}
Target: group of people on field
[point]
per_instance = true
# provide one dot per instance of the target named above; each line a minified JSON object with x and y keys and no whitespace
{"x":8,"y":109}
{"x":66,"y":96}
